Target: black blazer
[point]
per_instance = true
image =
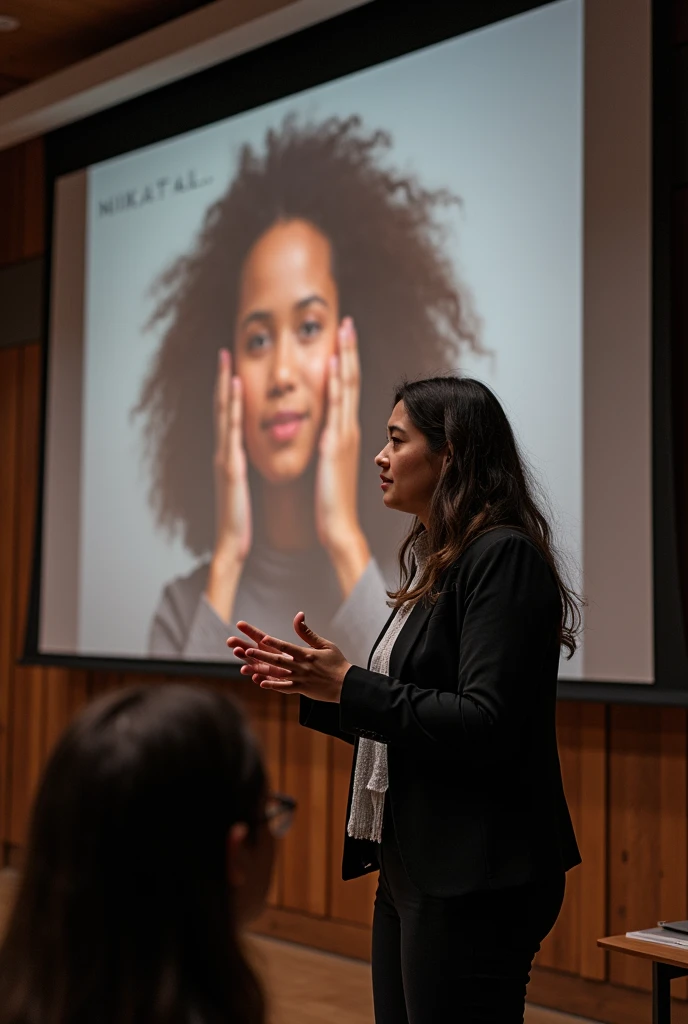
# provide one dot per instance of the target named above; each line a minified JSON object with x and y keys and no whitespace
{"x":468,"y":715}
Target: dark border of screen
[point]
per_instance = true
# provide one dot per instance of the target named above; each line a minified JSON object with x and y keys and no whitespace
{"x":363,"y":37}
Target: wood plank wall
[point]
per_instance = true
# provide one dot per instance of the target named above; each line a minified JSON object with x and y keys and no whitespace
{"x":625,"y":768}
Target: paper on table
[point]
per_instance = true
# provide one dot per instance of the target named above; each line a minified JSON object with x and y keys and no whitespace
{"x":661,"y":936}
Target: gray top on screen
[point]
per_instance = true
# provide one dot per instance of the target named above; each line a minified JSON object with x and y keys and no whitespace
{"x":274,"y":587}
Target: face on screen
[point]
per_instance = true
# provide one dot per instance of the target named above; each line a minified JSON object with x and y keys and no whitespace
{"x":285,"y":334}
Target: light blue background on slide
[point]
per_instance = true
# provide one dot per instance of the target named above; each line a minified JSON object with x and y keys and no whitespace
{"x":496,"y":116}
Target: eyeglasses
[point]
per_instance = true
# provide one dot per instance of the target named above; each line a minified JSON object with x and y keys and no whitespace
{"x":279,"y":813}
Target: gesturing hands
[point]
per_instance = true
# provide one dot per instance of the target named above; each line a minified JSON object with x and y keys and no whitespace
{"x":316,"y":671}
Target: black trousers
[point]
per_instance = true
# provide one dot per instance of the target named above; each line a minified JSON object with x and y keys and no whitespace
{"x":462,"y":959}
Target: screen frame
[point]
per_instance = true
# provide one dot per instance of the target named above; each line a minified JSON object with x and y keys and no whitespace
{"x":350,"y":42}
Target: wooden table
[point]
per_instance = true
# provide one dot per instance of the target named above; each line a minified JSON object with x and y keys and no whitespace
{"x":668,"y":962}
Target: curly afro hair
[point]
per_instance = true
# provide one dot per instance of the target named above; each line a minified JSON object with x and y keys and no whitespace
{"x":387,"y":234}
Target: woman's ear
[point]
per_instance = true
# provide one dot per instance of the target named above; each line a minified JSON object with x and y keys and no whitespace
{"x":238,"y":854}
{"x":250,"y":858}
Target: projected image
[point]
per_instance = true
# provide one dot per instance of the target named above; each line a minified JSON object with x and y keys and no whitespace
{"x":324,"y":274}
{"x":253,"y":290}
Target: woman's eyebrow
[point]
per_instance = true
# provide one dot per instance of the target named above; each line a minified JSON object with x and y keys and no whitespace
{"x":265,"y":316}
{"x":302,"y":303}
{"x":393,"y":426}
{"x":261,"y":316}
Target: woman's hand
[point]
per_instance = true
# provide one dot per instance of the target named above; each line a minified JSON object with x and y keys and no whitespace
{"x":336,"y":487}
{"x":233,"y":530}
{"x":316,"y":671}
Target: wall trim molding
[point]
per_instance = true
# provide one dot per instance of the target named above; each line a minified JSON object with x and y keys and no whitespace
{"x":323,"y":933}
{"x":181,"y":47}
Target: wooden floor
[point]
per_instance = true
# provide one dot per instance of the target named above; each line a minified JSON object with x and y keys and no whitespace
{"x":305,"y":986}
{"x":309,"y":987}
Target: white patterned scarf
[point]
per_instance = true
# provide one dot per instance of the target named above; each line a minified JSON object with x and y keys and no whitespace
{"x":370,"y":775}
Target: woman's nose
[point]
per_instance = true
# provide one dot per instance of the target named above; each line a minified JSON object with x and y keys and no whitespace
{"x":381,"y":459}
{"x":283,"y":364}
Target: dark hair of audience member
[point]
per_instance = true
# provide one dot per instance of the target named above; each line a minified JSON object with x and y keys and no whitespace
{"x":126,"y":912}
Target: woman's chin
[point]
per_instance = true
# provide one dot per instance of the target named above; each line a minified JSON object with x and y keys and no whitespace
{"x":283,"y":467}
{"x":396,"y":506}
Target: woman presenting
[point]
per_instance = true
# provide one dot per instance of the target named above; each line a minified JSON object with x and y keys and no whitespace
{"x":456,"y":791}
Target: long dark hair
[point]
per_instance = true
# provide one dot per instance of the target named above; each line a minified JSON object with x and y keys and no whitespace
{"x":485,"y":485}
{"x":387,"y":233}
{"x":124,"y":912}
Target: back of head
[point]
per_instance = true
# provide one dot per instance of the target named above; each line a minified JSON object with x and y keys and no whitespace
{"x":124,"y":913}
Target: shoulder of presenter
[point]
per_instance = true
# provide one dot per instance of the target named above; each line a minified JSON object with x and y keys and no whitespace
{"x":488,"y":646}
{"x":500,"y":593}
{"x":502,"y":571}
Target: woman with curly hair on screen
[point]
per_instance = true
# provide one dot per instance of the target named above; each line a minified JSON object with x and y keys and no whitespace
{"x":317,"y":279}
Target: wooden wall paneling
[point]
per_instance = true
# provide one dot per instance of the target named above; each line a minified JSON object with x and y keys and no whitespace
{"x":673,"y":823}
{"x":305,"y":850}
{"x":572,"y":946}
{"x":67,"y":691}
{"x":9,"y":416}
{"x":28,"y":704}
{"x":635,"y":856}
{"x":340,"y":937}
{"x":27,"y":748}
{"x":593,"y":839}
{"x":12,"y":206}
{"x":266,"y":714}
{"x":348,"y":901}
{"x":679,"y":357}
{"x":561,"y":949}
{"x":57,"y":710}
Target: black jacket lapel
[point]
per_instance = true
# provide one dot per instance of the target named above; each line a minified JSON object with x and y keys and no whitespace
{"x":410,"y":632}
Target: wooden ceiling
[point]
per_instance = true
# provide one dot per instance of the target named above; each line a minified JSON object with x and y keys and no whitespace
{"x":56,"y":33}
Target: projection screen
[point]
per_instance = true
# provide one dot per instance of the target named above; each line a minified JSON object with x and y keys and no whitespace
{"x":474,"y":196}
